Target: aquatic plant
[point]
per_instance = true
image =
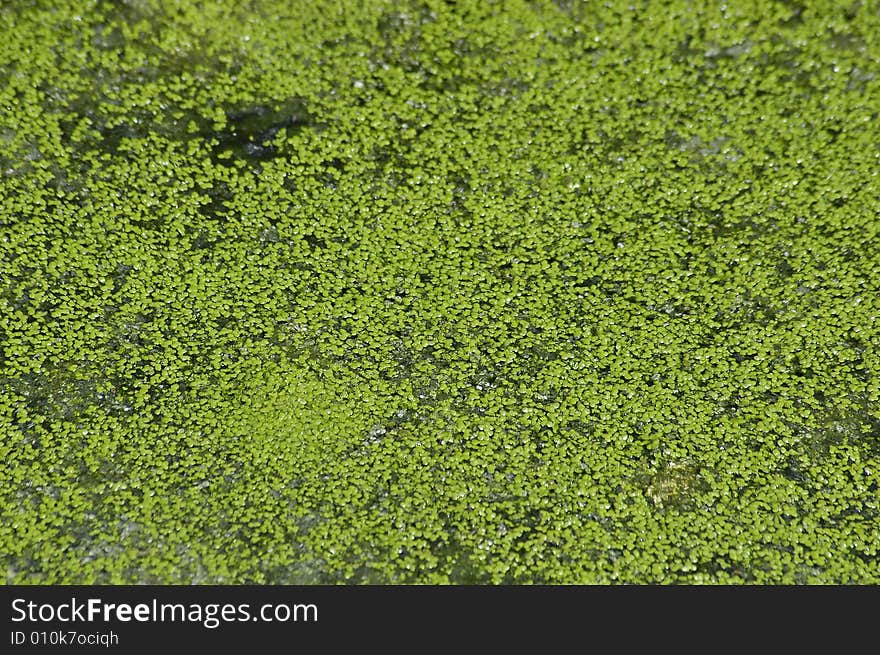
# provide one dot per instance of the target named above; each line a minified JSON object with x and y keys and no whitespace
{"x":417,"y":291}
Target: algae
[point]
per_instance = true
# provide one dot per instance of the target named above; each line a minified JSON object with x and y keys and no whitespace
{"x":475,"y":292}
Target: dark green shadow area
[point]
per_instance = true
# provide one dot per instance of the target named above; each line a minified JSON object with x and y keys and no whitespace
{"x":432,"y":292}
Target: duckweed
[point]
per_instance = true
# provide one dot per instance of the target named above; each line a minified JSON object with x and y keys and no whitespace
{"x":410,"y":291}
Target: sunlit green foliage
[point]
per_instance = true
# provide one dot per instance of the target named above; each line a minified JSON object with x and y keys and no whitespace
{"x":473,"y":292}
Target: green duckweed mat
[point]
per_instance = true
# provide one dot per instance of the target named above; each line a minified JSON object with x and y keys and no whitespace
{"x":440,"y":292}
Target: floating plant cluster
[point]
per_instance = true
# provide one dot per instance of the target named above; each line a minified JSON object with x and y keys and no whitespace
{"x":432,"y":292}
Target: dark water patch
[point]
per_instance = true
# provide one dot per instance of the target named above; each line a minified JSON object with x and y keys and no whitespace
{"x":250,"y":131}
{"x":855,"y":427}
{"x":858,"y":80}
{"x":401,"y":32}
{"x":795,"y":18}
{"x":63,"y":396}
{"x":508,"y":87}
{"x":785,"y":61}
{"x":850,"y":41}
{"x":457,"y":559}
{"x":330,"y":172}
{"x":114,"y":136}
{"x":314,"y":242}
{"x":684,"y":52}
{"x":716,"y":53}
{"x":220,"y":198}
{"x":58,"y":396}
{"x":131,"y":12}
{"x":784,"y":269}
{"x":108,"y":37}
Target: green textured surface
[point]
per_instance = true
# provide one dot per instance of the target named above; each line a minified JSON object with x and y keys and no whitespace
{"x":438,"y":292}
